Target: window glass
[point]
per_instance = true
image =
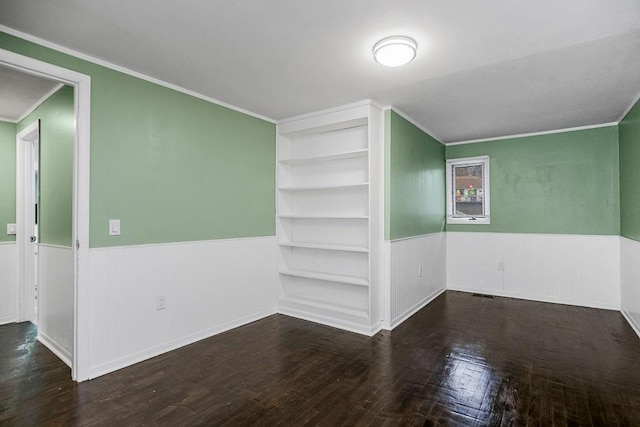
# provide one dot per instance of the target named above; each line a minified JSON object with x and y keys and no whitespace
{"x":469,"y":187}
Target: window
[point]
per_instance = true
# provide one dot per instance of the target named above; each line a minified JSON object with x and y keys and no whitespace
{"x":468,"y":190}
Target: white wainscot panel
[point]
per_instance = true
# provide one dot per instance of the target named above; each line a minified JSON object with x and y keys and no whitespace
{"x":630,"y":277}
{"x":409,"y":291}
{"x":568,"y":269}
{"x":8,"y":282}
{"x":209,"y":286}
{"x":55,"y":299}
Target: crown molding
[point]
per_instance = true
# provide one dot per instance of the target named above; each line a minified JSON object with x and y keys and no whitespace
{"x":39,"y":102}
{"x":413,"y":122}
{"x":525,"y":135}
{"x":633,"y":103}
{"x":124,"y":70}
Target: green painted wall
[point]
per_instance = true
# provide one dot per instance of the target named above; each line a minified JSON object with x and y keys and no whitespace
{"x":171,"y":167}
{"x":564,"y":183}
{"x":56,"y":166}
{"x":414,"y":180}
{"x":630,"y":174}
{"x":7,"y":179}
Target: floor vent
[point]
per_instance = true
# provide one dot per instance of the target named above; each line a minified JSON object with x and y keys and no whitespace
{"x":482,"y":296}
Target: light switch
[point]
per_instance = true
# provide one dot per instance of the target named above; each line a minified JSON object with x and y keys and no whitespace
{"x":11,"y":229}
{"x":114,"y":227}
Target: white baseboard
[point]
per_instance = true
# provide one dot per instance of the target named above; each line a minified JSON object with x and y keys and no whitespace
{"x":8,"y":319}
{"x":635,"y":326}
{"x":376,"y":328}
{"x":332,"y":322}
{"x":578,"y":303}
{"x":123,"y":362}
{"x":413,"y":310}
{"x":57,"y":349}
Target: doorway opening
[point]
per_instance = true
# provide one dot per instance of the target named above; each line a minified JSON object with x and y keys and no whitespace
{"x":44,"y":152}
{"x":79,"y":250}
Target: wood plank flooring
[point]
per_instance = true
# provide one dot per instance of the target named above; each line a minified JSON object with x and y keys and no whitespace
{"x":462,"y":360}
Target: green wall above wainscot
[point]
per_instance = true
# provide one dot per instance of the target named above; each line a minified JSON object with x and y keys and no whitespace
{"x":562,"y":183}
{"x":7,"y":179}
{"x":414,"y":180}
{"x":630,"y":174}
{"x":56,"y":166}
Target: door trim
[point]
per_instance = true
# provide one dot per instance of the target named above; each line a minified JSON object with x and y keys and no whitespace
{"x":24,"y":219}
{"x":81,"y":173}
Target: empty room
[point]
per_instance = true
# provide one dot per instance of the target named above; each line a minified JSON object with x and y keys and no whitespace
{"x":320,"y":213}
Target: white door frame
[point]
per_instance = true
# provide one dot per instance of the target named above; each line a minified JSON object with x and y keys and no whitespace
{"x":25,"y":221}
{"x":82,"y":110}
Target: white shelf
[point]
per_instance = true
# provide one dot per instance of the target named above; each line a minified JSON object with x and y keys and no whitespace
{"x":324,"y":187}
{"x":324,"y":247}
{"x":346,"y":155}
{"x":323,"y":216}
{"x":324,"y":306}
{"x":349,"y":280}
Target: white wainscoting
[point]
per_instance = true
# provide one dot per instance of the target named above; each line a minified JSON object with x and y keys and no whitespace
{"x":567,"y":269}
{"x":210,"y":287}
{"x":630,"y":278}
{"x":8,"y":282}
{"x":55,"y":299}
{"x":409,"y":291}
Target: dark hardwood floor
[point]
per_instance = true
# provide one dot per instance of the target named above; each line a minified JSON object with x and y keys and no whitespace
{"x":462,"y":360}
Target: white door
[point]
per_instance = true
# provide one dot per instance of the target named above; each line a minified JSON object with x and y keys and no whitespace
{"x":28,"y":184}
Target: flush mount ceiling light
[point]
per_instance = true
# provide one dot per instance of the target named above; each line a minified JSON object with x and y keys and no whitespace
{"x":395,"y":51}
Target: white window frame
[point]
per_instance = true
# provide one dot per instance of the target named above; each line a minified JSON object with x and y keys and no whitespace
{"x":469,"y":220}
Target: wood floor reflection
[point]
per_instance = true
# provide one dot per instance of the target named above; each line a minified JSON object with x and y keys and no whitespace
{"x":462,"y":360}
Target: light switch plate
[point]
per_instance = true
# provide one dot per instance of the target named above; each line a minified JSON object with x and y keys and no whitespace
{"x":114,"y":227}
{"x":11,"y":229}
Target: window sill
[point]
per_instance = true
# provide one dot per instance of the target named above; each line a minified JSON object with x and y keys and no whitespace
{"x":469,"y":221}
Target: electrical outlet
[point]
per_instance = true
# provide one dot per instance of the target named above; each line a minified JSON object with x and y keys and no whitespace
{"x":161,"y":302}
{"x":500,"y":265}
{"x":419,"y":271}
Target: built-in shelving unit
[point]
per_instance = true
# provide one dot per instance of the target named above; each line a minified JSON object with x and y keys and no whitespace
{"x":329,"y":203}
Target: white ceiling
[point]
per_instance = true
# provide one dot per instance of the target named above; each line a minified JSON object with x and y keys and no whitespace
{"x":484,"y":68}
{"x":20,"y":93}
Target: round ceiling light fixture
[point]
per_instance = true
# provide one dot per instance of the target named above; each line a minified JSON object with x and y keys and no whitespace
{"x":395,"y":51}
